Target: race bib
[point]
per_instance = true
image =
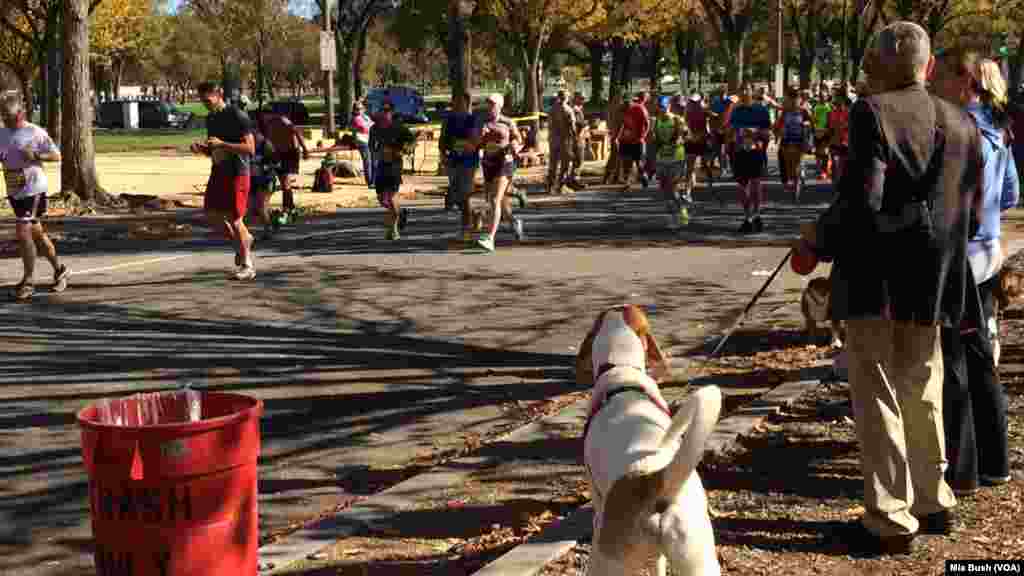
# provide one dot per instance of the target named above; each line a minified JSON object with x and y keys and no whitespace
{"x":748,"y":139}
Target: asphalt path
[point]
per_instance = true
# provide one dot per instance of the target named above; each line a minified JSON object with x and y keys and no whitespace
{"x":365,"y":352}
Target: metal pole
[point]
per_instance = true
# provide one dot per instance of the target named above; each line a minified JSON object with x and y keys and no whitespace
{"x":842,"y":71}
{"x":780,"y":81}
{"x":329,"y":77}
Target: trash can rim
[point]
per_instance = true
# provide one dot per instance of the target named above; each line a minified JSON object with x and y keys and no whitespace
{"x":254,"y":410}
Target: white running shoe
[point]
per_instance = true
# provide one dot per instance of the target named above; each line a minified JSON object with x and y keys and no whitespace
{"x":246,"y":272}
{"x":517,"y":228}
{"x":60,"y":278}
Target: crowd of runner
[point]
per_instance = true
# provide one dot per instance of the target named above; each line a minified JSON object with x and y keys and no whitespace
{"x":719,"y":135}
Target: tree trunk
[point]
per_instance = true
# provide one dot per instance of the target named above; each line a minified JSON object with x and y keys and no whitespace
{"x":685,"y":45}
{"x":612,"y":170}
{"x":344,"y":75}
{"x":231,"y":81}
{"x":78,"y":168}
{"x":53,"y":123}
{"x":736,"y":31}
{"x":737,"y":71}
{"x":806,"y":66}
{"x":621,"y":58}
{"x":534,"y":86}
{"x":1016,"y":60}
{"x":259,"y":72}
{"x":357,"y":63}
{"x":597,"y":51}
{"x":25,"y":82}
{"x":654,"y":64}
{"x":116,"y":73}
{"x":44,"y":89}
{"x":458,"y":51}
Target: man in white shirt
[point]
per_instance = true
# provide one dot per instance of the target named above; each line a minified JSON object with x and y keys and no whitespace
{"x":23,"y":148}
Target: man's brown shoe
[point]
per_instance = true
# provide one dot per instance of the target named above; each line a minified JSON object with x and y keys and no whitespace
{"x":860,"y":541}
{"x":942,"y":523}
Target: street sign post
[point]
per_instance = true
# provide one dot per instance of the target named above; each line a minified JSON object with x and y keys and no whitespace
{"x":328,"y":55}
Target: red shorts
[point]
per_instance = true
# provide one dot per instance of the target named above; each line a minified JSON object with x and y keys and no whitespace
{"x":227,"y":194}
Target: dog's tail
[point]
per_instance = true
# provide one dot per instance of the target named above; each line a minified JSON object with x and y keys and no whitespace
{"x":694,"y":421}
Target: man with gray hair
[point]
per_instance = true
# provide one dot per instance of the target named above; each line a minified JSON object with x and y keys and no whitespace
{"x":23,"y":148}
{"x":898,"y":234}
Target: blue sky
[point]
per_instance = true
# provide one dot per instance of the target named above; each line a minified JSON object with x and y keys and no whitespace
{"x":301,"y":7}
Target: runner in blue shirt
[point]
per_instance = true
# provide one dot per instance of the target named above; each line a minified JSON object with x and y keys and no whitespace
{"x":751,"y":124}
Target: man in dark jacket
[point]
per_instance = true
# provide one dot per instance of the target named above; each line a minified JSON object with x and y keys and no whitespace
{"x":898,"y":235}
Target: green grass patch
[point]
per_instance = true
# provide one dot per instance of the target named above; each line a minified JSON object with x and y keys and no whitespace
{"x":196,"y":108}
{"x":115,"y":141}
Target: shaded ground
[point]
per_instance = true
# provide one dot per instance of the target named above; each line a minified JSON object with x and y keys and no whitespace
{"x":518,"y":488}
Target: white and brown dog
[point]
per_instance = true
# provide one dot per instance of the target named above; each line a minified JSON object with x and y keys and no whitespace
{"x":641,"y":460}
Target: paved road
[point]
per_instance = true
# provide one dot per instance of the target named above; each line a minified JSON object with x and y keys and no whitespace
{"x":366,"y":353}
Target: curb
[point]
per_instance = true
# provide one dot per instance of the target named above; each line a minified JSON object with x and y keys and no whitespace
{"x":531,"y":557}
{"x":376,"y":510}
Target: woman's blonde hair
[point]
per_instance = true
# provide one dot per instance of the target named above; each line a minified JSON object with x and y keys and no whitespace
{"x":991,"y":84}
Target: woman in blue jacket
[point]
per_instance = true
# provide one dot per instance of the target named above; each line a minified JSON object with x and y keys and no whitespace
{"x":975,"y":411}
{"x":987,"y":103}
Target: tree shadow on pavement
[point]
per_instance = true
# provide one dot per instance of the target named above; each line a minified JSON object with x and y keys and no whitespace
{"x":374,"y":382}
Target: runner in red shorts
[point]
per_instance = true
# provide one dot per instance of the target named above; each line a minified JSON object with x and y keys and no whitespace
{"x":230,"y":145}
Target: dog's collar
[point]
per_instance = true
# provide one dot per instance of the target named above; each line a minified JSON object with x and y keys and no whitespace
{"x":619,"y":390}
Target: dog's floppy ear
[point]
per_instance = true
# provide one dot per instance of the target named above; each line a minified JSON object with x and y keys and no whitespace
{"x":584,"y":362}
{"x":657,"y":361}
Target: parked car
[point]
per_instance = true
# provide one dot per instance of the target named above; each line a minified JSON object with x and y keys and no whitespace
{"x":408,"y":102}
{"x":153,"y":114}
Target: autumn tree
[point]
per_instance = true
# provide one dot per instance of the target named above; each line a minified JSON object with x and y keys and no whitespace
{"x":808,"y":20}
{"x":733,"y":21}
{"x":240,"y":25}
{"x":934,"y":15}
{"x":527,"y":25}
{"x":690,"y":40}
{"x":420,"y":25}
{"x":121,"y":32}
{"x":184,"y":54}
{"x":36,"y":22}
{"x":17,"y":56}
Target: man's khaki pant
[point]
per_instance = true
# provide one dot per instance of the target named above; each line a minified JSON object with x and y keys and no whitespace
{"x":579,"y":151}
{"x":559,"y":157}
{"x":896,"y":377}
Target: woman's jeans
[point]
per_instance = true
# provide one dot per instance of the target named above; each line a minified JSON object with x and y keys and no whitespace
{"x":364,"y":153}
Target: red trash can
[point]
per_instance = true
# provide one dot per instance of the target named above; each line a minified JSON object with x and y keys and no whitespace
{"x":178,"y":497}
